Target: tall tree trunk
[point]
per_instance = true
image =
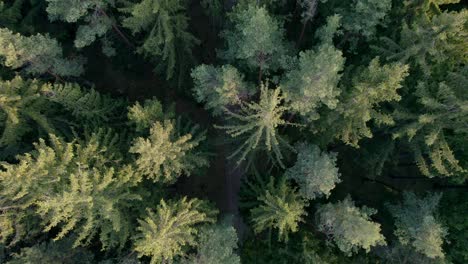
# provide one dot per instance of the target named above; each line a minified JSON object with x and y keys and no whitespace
{"x":301,"y":36}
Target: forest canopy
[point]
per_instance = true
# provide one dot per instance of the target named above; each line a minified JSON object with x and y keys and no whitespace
{"x":234,"y":131}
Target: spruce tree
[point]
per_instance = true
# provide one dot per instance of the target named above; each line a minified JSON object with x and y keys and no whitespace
{"x":314,"y":171}
{"x":216,"y":244}
{"x":370,"y":87}
{"x":257,"y":125}
{"x":417,"y":224}
{"x":165,"y":154}
{"x":219,"y":87}
{"x":435,"y":125}
{"x":350,"y":227}
{"x":143,"y":116}
{"x":280,"y":208}
{"x":70,"y":186}
{"x":36,"y":54}
{"x":166,"y":27}
{"x":314,"y":82}
{"x":255,"y":39}
{"x":163,"y":234}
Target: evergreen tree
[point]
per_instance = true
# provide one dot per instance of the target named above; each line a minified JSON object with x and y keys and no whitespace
{"x":256,"y":39}
{"x":364,"y":15}
{"x":428,"y":43}
{"x":370,"y":87}
{"x":21,"y":104}
{"x":53,"y":252}
{"x":314,"y":171}
{"x":280,"y":208}
{"x":417,"y":226}
{"x":143,"y":116}
{"x":166,"y":24}
{"x":165,"y":154}
{"x":326,"y":33}
{"x":350,"y":227}
{"x":37,"y":54}
{"x":94,"y":14}
{"x":431,"y":127}
{"x":70,"y":186}
{"x":216,"y":244}
{"x":314,"y":82}
{"x":163,"y":234}
{"x":219,"y":87}
{"x":258,"y":123}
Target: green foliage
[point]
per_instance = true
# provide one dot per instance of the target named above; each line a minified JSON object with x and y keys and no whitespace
{"x":350,"y":227}
{"x":452,"y":205}
{"x":219,"y":87}
{"x":71,"y":186}
{"x":326,"y":33}
{"x":163,"y":233}
{"x":280,"y":208}
{"x":256,"y":38}
{"x":370,"y":87}
{"x":314,"y":81}
{"x":37,"y":54}
{"x":60,"y":252}
{"x":401,"y":254}
{"x":258,"y":123}
{"x":143,"y":116}
{"x":440,"y":40}
{"x":365,"y":15}
{"x":166,"y":24}
{"x":92,"y":12}
{"x":417,"y":226}
{"x":216,"y":244}
{"x":315,"y":171}
{"x":429,"y":128}
{"x":22,"y":105}
{"x":165,"y":154}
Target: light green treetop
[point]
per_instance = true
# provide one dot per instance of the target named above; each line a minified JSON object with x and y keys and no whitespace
{"x":38,"y":54}
{"x":219,"y":87}
{"x":348,"y":226}
{"x":417,"y":226}
{"x":374,"y":85}
{"x":143,"y":116}
{"x":258,"y":123}
{"x":365,"y":15}
{"x":314,"y":171}
{"x":280,"y":208}
{"x":256,"y":38}
{"x":166,"y":26}
{"x":216,"y":244}
{"x":162,"y":234}
{"x":315,"y":81}
{"x":165,"y":154}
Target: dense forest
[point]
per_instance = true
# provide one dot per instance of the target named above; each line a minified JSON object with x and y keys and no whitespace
{"x":233,"y":131}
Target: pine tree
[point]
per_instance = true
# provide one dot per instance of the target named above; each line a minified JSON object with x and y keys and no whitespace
{"x":166,"y":26}
{"x":256,"y":39}
{"x":280,"y":208}
{"x":364,"y":15}
{"x":165,"y":154}
{"x":72,"y":187}
{"x":93,"y":13}
{"x":216,"y":244}
{"x":350,"y":227}
{"x":427,"y":43}
{"x":326,"y":32}
{"x":258,"y":123}
{"x":370,"y":87}
{"x":143,"y":116}
{"x":163,"y":234}
{"x":37,"y":54}
{"x":21,"y":106}
{"x":53,"y":252}
{"x":314,"y":171}
{"x":314,"y":82}
{"x":438,"y":121}
{"x":219,"y":87}
{"x":417,"y":226}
